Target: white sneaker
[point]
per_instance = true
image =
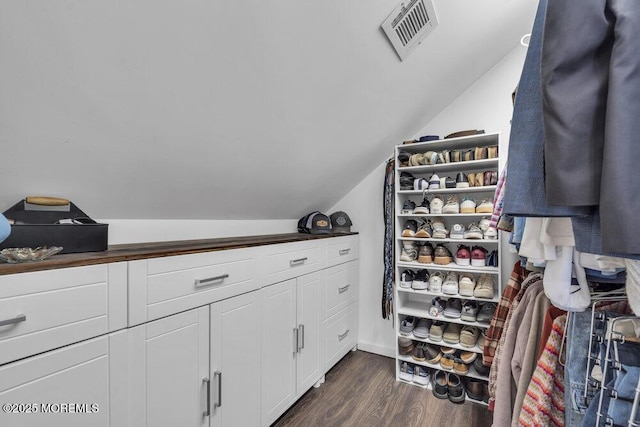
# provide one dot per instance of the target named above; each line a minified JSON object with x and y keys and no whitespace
{"x":435,"y":282}
{"x":406,"y":279}
{"x":406,"y":372}
{"x":491,"y":233}
{"x":436,"y":205}
{"x":486,"y":206}
{"x":484,"y":224}
{"x":452,"y":206}
{"x":420,"y":184}
{"x":450,"y":284}
{"x":466,"y":284}
{"x":421,"y":375}
{"x":457,"y":231}
{"x":473,"y":232}
{"x":434,"y":183}
{"x":438,"y":230}
{"x":409,"y":251}
{"x":468,"y":205}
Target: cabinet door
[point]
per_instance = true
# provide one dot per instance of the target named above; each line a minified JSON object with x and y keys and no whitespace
{"x":278,"y":349}
{"x":169,"y":363}
{"x":67,"y":387}
{"x":235,"y":361}
{"x":310,"y":295}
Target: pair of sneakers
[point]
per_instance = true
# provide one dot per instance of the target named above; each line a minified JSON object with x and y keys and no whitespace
{"x":475,"y":257}
{"x":414,"y":373}
{"x":417,"y":228}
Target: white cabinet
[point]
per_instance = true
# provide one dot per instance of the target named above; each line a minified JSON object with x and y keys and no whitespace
{"x":163,"y":286}
{"x":61,"y":388}
{"x":235,"y":361}
{"x":292,"y":341}
{"x":169,"y":371}
{"x":341,"y":334}
{"x":43,"y":310}
{"x":221,"y":338}
{"x":309,"y":313}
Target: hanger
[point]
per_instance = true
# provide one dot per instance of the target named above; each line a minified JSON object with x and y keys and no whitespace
{"x":524,"y":41}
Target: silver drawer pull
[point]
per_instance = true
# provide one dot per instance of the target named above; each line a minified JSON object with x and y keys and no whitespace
{"x":297,"y":261}
{"x":19,"y":318}
{"x":218,"y":376}
{"x":343,"y":336}
{"x":207,"y":412}
{"x":210,"y":280}
{"x":344,"y":251}
{"x":343,"y":289}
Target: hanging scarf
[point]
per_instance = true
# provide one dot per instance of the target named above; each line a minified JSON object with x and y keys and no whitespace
{"x":387,"y":281}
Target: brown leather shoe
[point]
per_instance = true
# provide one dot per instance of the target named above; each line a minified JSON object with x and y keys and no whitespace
{"x":480,"y":179}
{"x":460,"y":367}
{"x":464,"y":133}
{"x":475,"y":389}
{"x":405,"y":345}
{"x":446,"y":361}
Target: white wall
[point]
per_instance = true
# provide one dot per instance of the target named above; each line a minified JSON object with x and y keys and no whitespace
{"x":485,"y":105}
{"x":139,"y":231}
{"x":198,"y":109}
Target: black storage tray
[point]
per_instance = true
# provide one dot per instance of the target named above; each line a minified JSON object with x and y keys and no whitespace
{"x":39,"y":228}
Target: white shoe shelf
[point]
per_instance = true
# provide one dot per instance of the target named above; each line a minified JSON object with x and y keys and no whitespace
{"x":416,"y":303}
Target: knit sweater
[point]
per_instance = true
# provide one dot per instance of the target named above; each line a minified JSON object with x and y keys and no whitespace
{"x":505,"y":386}
{"x":544,"y":403}
{"x":525,"y":355}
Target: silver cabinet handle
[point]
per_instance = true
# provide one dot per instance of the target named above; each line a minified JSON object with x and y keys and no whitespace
{"x":207,"y":411}
{"x":19,"y":318}
{"x":209,"y":281}
{"x":296,"y":348}
{"x":218,"y":377}
{"x":343,"y":289}
{"x":343,"y":336}
{"x":297,"y":261}
{"x":300,"y":337}
{"x":344,"y":251}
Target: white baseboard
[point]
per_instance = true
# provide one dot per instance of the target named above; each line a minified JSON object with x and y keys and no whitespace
{"x":377,"y":349}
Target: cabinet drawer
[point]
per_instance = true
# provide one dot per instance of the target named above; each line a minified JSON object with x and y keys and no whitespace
{"x":163,"y":286}
{"x":68,"y":387}
{"x":342,"y":287}
{"x":342,"y":334}
{"x":48,"y":309}
{"x":341,"y":249}
{"x":289,"y":260}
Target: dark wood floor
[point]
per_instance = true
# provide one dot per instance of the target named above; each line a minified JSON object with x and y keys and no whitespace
{"x":361,"y":390}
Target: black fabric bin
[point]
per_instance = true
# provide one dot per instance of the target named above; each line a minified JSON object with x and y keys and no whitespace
{"x":38,"y":228}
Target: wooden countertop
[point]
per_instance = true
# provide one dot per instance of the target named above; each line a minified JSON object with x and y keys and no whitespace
{"x":129,"y":252}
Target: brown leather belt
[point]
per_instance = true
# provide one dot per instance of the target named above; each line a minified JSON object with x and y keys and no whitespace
{"x":464,"y":133}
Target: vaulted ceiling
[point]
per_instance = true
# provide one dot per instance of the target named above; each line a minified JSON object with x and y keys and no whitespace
{"x":223,"y":109}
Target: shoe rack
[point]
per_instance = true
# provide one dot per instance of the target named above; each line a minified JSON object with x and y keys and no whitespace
{"x":416,"y":303}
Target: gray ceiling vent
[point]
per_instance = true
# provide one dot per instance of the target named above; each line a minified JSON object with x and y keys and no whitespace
{"x":409,"y":24}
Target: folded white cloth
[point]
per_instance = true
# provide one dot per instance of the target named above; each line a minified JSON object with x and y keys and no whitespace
{"x":603,"y":263}
{"x":633,"y":284}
